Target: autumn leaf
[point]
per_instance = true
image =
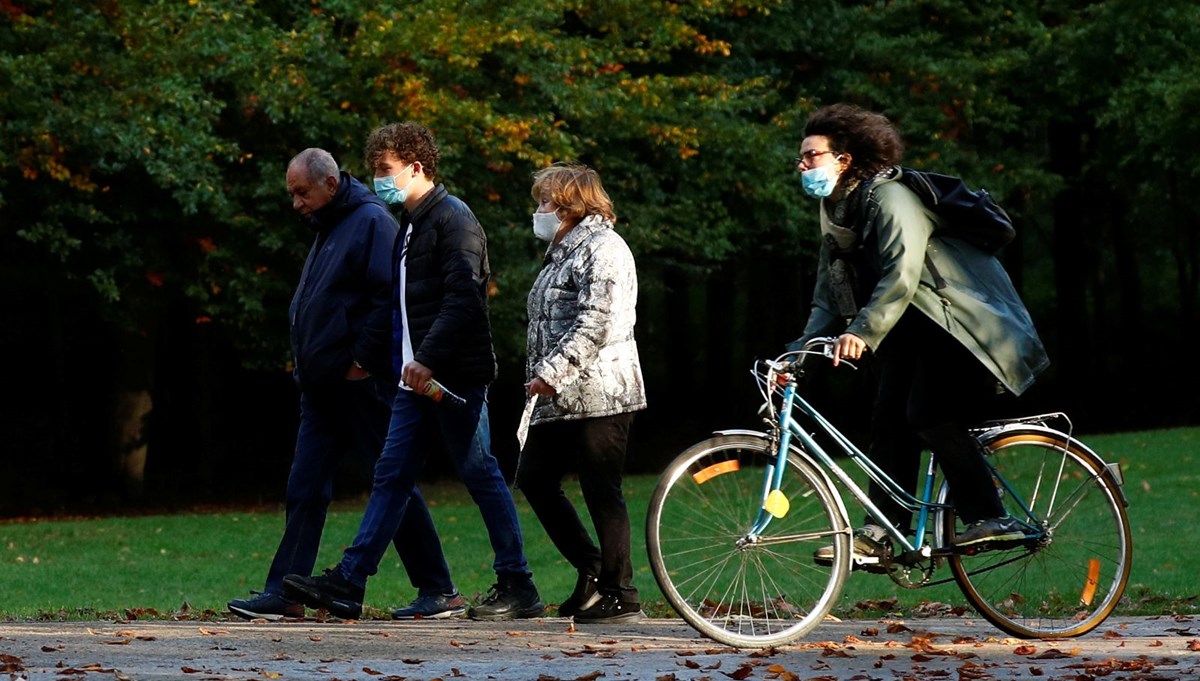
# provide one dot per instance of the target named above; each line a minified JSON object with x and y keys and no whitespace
{"x":741,"y":672}
{"x":1056,"y":654}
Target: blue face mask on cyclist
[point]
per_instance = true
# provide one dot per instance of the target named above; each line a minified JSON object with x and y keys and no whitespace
{"x":819,"y":182}
{"x":385,"y":188}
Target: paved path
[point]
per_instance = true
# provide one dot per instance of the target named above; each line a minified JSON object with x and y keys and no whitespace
{"x":1142,"y":649}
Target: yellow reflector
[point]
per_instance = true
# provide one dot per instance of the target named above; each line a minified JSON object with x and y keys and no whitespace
{"x":1093,"y":580}
{"x":777,"y":504}
{"x":714,"y":470}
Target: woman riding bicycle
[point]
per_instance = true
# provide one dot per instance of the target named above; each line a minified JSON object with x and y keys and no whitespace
{"x":948,"y":329}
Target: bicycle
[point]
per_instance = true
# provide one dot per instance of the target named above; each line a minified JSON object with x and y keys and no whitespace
{"x":734,"y":521}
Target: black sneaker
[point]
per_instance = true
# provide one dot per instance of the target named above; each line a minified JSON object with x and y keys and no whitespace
{"x":510,"y":598}
{"x":610,"y":609}
{"x":868,"y":552}
{"x":436,"y":607}
{"x":584,"y":596}
{"x":331,"y":591}
{"x":267,"y":606}
{"x":990,"y":531}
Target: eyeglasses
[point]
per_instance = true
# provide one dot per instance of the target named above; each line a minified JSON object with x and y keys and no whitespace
{"x":809,"y":156}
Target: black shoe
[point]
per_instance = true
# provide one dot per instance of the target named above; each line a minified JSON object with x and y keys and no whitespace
{"x":435,"y":607}
{"x":584,"y":596}
{"x":331,"y":591}
{"x":869,"y":550}
{"x":510,"y":598}
{"x":610,"y":609}
{"x":990,"y":531}
{"x":267,"y":606}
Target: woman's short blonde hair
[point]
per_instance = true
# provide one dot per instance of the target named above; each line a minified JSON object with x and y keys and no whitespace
{"x":576,"y":189}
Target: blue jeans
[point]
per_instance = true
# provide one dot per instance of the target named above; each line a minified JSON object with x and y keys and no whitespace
{"x":348,"y":418}
{"x":417,"y":422}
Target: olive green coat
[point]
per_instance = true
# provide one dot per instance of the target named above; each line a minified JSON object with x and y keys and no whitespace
{"x":963,"y":289}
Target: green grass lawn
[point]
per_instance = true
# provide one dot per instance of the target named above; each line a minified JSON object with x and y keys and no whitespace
{"x":153,"y":565}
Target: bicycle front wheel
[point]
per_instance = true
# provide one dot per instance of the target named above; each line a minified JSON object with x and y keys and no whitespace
{"x":1067,"y":583}
{"x":736,"y":586}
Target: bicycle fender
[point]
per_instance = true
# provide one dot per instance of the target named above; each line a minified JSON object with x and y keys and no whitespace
{"x":800,"y":453}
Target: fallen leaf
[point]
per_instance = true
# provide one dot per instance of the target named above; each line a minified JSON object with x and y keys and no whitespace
{"x":372,"y":672}
{"x":1193,"y":645}
{"x":212,"y":632}
{"x":1056,"y":654}
{"x":740,"y":673}
{"x":191,"y":670}
{"x":1025,"y":650}
{"x":412,"y":660}
{"x":590,"y":677}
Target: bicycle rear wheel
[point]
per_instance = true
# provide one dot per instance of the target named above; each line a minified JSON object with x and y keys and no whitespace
{"x":1067,"y":583}
{"x":734,"y":587}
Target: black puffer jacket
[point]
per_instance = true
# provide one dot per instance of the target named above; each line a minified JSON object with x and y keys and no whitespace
{"x":340,"y":311}
{"x":445,"y":292}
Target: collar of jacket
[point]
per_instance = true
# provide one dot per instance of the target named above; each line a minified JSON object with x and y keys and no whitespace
{"x":331,"y":214}
{"x":431,"y":199}
{"x":575,"y":238}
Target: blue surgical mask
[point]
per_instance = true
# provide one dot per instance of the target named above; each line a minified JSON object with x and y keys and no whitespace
{"x":819,"y":182}
{"x":385,"y":188}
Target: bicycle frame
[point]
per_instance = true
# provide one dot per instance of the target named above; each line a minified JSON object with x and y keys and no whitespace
{"x":786,"y":428}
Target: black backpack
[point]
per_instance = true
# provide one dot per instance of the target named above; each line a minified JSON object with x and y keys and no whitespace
{"x":966,"y":214}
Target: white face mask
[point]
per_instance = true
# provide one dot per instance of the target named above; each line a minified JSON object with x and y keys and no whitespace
{"x":545,"y":225}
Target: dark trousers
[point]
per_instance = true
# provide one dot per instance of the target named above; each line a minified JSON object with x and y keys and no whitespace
{"x":930,"y":390}
{"x":595,"y":449}
{"x":347,"y":418}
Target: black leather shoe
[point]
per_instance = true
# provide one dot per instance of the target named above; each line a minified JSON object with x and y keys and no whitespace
{"x":610,"y":609}
{"x":331,"y":591}
{"x":584,"y":596}
{"x":510,"y":598}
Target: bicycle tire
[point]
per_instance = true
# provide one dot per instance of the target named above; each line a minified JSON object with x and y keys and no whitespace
{"x":1070,"y":582}
{"x":745,"y":593}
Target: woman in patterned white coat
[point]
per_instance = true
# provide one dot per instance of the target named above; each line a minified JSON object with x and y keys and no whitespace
{"x":585,"y":376}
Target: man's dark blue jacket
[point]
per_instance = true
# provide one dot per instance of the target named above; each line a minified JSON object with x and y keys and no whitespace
{"x":340,"y":313}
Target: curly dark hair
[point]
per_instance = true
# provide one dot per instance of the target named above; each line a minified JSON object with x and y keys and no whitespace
{"x":872,"y":141}
{"x":409,"y":141}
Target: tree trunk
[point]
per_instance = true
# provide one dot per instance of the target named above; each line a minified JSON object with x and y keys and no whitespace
{"x":131,"y":421}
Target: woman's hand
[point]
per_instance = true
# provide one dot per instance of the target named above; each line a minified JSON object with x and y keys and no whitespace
{"x":539,"y":387}
{"x":848,"y":346}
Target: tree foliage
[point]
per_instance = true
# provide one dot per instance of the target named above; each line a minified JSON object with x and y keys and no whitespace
{"x":144,"y":144}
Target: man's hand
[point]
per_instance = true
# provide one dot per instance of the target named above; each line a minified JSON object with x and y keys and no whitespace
{"x":415,"y":375}
{"x":848,"y":346}
{"x":539,"y":387}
